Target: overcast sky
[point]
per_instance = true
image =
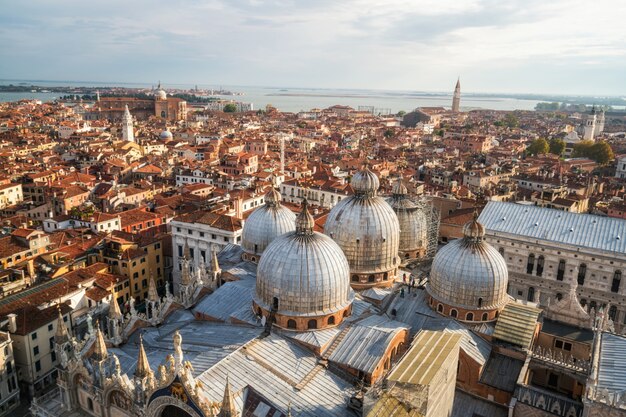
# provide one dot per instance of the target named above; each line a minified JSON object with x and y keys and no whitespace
{"x":535,"y":46}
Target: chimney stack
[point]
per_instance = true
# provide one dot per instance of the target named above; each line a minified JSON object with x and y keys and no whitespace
{"x":12,"y":322}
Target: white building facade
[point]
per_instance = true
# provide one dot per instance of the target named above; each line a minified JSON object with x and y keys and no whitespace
{"x":548,"y":251}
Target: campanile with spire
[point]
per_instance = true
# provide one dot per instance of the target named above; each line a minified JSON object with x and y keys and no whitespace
{"x":456,"y":98}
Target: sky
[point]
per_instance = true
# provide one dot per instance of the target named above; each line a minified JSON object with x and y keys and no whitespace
{"x":506,"y":46}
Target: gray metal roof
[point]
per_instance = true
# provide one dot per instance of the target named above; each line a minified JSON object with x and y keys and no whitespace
{"x":227,"y":300}
{"x":365,"y":343}
{"x":466,"y":405}
{"x":273,"y":366}
{"x":612,"y":366}
{"x":578,"y":230}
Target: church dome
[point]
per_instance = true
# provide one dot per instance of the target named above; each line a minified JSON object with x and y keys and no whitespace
{"x":367,"y":230}
{"x":469,"y":276}
{"x":166,"y":135}
{"x":265,"y":224}
{"x":161,"y":94}
{"x":413,"y":223}
{"x":304,"y":276}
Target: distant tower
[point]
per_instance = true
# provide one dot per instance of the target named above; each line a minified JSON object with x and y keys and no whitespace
{"x":97,"y":95}
{"x":600,"y":123}
{"x":590,"y":125}
{"x":127,"y":126}
{"x":282,"y":154}
{"x":456,"y":98}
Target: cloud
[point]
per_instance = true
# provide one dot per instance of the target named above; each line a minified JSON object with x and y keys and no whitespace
{"x":496,"y":45}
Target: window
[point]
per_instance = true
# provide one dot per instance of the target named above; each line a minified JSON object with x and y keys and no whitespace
{"x":613,"y":313}
{"x":53,"y":356}
{"x":617,"y":279}
{"x":469,"y":317}
{"x":582,"y":271}
{"x":33,"y":336}
{"x":480,"y":302}
{"x":561,"y":271}
{"x":225,"y":239}
{"x":531,"y":294}
{"x":453,"y":313}
{"x":561,"y":344}
{"x":501,"y":250}
{"x":331,"y":320}
{"x":201,"y":234}
{"x":36,"y":350}
{"x":50,"y":326}
{"x":540,"y":261}
{"x":158,"y":258}
{"x":180,"y":251}
{"x":37,"y":366}
{"x":51,"y":341}
{"x":291,"y":324}
{"x":530,"y":265}
{"x":485,"y":316}
{"x":312,"y":324}
{"x":553,"y":380}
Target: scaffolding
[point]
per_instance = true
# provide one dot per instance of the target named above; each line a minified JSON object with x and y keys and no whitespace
{"x":432,"y":217}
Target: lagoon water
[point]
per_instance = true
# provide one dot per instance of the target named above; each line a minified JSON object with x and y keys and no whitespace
{"x":297,"y":99}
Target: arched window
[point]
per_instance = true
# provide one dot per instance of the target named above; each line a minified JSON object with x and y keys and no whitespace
{"x":163,"y":113}
{"x":501,"y":250}
{"x":312,"y":324}
{"x":592,"y":305}
{"x":480,"y":302}
{"x":530,"y":265}
{"x":291,"y":324}
{"x":582,"y":271}
{"x":561,"y":271}
{"x":583,"y":302}
{"x":394,"y":312}
{"x":559,"y":296}
{"x":485,"y":316}
{"x":275,"y":303}
{"x":355,"y":278}
{"x":531,"y":294}
{"x":617,"y":279}
{"x":370,"y":278}
{"x":453,"y":313}
{"x":469,"y":317}
{"x":540,"y":261}
{"x":385,"y":276}
{"x":331,"y":320}
{"x":613,"y":312}
{"x":440,"y":308}
{"x":90,"y":404}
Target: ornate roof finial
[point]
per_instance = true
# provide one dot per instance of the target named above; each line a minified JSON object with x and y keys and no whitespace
{"x":186,"y":251}
{"x":272,"y":198}
{"x":143,"y":366}
{"x":304,"y":222}
{"x":100,"y":352}
{"x":61,"y":333}
{"x":399,"y":188}
{"x":229,"y":408}
{"x":114,"y":309}
{"x":215,"y":266}
{"x":153,"y":295}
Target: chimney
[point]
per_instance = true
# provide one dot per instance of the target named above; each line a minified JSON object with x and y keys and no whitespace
{"x":12,"y":322}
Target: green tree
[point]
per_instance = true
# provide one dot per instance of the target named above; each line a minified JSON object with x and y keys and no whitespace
{"x":401,"y":113}
{"x":557,"y":146}
{"x":230,"y":108}
{"x":538,"y":147}
{"x":583,"y":149}
{"x":602,"y":153}
{"x":388,"y":133}
{"x":511,"y":121}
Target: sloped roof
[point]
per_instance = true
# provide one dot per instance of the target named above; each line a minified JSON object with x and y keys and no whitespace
{"x":516,"y":324}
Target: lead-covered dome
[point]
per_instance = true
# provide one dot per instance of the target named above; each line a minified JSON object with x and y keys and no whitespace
{"x":413,"y":223}
{"x":367,"y":230}
{"x":304,"y":277}
{"x":469,"y":277}
{"x":265,"y":224}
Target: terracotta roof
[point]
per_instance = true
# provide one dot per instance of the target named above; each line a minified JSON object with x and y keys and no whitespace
{"x":218,"y":221}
